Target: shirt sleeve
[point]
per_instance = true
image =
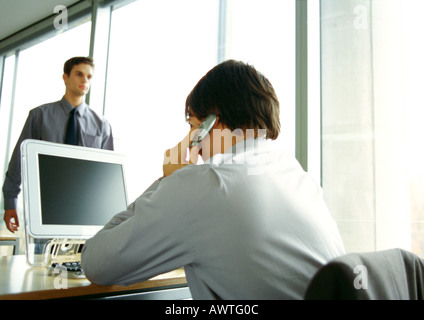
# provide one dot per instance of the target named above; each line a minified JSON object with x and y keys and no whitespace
{"x":12,"y":182}
{"x":147,"y":239}
{"x":107,"y":140}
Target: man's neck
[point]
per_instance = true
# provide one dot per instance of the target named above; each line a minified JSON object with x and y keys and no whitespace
{"x":74,"y":100}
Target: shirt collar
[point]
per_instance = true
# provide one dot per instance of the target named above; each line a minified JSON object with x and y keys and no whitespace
{"x":67,"y":107}
{"x":241,"y":151}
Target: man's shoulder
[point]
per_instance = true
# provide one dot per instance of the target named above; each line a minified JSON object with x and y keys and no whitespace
{"x":97,"y":117}
{"x":46,"y":106}
{"x":197,"y":173}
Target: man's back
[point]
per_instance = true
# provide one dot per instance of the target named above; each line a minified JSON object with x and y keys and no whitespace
{"x":261,"y":235}
{"x":257,"y":230}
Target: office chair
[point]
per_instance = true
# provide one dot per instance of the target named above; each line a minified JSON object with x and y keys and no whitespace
{"x":393,"y":274}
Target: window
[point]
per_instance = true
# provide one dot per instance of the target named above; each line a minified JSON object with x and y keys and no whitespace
{"x":169,"y":45}
{"x":172,"y":45}
{"x":262,"y":33}
{"x":372,"y":170}
{"x":413,"y":70}
{"x":39,"y":71}
{"x":5,"y":108}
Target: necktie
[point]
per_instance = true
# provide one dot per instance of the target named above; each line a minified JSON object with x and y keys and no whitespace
{"x":72,"y":129}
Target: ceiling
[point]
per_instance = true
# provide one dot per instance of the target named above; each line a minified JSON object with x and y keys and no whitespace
{"x":18,"y":14}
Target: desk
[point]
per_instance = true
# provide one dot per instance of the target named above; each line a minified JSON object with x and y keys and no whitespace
{"x":10,"y":241}
{"x":19,"y":281}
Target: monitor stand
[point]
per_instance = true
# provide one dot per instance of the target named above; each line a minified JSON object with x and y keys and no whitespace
{"x":65,"y":258}
{"x":52,"y":253}
{"x":65,"y":249}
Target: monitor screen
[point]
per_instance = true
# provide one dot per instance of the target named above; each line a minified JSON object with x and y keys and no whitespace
{"x":74,"y":191}
{"x":69,"y":191}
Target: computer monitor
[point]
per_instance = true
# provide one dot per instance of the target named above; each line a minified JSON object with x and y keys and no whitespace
{"x":70,"y":192}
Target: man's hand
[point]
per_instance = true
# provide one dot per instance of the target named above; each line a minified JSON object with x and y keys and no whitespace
{"x":180,"y":155}
{"x":11,"y":220}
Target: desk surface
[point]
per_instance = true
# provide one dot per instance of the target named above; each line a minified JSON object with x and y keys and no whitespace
{"x":20,"y":281}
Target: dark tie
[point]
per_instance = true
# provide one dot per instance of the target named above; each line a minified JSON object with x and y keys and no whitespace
{"x":72,"y":129}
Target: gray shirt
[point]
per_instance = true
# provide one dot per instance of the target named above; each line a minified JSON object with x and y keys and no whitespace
{"x":248,"y":225}
{"x":48,"y":122}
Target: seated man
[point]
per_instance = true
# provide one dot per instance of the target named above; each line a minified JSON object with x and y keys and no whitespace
{"x":249,"y":223}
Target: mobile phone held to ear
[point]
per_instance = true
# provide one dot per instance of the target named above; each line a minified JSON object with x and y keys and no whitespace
{"x":203,"y":129}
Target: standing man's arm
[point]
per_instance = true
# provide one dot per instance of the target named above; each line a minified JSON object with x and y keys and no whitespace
{"x":12,"y":181}
{"x":107,"y":139}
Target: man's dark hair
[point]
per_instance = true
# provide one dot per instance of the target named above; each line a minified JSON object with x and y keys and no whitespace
{"x":240,"y":95}
{"x":69,"y":64}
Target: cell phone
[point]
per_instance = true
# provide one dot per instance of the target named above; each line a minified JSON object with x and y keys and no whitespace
{"x":203,"y":129}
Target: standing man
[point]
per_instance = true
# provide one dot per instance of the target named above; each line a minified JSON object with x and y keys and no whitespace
{"x":52,"y":122}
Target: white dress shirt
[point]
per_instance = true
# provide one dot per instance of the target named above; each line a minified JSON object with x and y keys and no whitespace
{"x":248,"y":225}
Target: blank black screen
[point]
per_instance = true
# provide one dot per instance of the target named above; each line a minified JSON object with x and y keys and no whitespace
{"x":80,"y":192}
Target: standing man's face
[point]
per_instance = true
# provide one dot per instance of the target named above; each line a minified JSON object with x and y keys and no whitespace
{"x":78,"y":82}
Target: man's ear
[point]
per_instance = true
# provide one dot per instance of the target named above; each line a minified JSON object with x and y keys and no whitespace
{"x":217,"y":124}
{"x":65,"y":77}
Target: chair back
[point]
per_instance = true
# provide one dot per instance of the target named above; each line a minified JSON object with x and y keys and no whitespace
{"x":393,"y":274}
